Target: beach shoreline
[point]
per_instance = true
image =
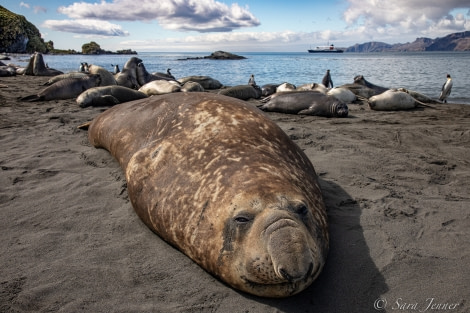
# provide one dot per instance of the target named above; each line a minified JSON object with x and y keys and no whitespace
{"x":396,"y":187}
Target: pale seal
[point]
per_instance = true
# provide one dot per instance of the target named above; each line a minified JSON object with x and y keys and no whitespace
{"x":217,"y":179}
{"x":160,"y":87}
{"x":307,"y":103}
{"x":285,"y":87}
{"x":342,"y":94}
{"x":393,"y":100}
{"x":108,"y":96}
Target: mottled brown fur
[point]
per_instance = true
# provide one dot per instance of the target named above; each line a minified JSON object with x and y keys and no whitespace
{"x":217,"y":179}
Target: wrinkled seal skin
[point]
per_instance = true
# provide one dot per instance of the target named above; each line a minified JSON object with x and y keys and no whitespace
{"x":217,"y":179}
{"x":242,"y":92}
{"x":306,"y":102}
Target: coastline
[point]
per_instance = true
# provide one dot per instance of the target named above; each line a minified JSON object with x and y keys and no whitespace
{"x":396,"y":187}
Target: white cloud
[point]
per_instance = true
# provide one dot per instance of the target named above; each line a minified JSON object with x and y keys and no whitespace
{"x":197,"y":15}
{"x":24,"y":5}
{"x":380,"y":18}
{"x":86,"y":26}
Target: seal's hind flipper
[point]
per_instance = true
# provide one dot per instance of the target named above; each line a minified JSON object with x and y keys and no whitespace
{"x":84,"y":126}
{"x":31,"y":98}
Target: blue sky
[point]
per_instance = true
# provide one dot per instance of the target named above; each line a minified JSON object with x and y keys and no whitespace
{"x":239,"y":26}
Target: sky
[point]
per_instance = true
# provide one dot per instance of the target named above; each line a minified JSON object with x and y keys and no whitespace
{"x":239,"y":26}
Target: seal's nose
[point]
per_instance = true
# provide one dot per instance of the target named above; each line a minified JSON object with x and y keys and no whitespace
{"x":291,"y":277}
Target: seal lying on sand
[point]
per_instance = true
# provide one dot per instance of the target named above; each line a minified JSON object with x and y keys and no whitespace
{"x":393,"y":100}
{"x":220,"y":181}
{"x":305,"y":102}
{"x":67,"y":88}
{"x":242,"y":92}
{"x":108,"y":96}
{"x":206,"y":82}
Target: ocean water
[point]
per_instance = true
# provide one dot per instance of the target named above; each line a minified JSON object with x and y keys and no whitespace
{"x":424,"y":72}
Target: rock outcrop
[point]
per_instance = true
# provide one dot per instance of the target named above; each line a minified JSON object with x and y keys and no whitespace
{"x":17,"y":35}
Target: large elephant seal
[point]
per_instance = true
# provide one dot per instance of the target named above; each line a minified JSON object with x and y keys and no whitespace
{"x":393,"y":100}
{"x":128,"y":76}
{"x":108,"y":96}
{"x":242,"y":92}
{"x":306,"y":102}
{"x":217,"y":179}
{"x":67,"y":88}
{"x":37,"y":67}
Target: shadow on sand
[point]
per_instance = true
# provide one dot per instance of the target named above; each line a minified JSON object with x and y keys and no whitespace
{"x":350,"y":281}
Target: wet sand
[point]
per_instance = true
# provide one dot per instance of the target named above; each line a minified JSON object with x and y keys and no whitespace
{"x":396,"y":186}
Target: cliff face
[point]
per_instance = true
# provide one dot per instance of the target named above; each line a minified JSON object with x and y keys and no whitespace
{"x":452,"y":42}
{"x":17,"y":35}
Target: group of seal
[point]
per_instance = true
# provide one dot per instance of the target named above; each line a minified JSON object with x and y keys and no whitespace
{"x":217,"y":179}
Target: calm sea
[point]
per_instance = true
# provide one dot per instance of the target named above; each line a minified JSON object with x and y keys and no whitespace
{"x":424,"y":72}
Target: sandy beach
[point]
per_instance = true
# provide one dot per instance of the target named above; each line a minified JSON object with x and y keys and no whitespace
{"x":396,"y":187}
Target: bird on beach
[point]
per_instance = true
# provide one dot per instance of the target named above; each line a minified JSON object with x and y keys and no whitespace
{"x":251,"y":81}
{"x":326,"y":81}
{"x":446,"y":89}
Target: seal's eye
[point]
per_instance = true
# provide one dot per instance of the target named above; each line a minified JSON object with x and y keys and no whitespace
{"x":242,"y":219}
{"x":301,"y":209}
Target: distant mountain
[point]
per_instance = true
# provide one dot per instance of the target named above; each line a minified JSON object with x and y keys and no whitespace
{"x":452,"y":42}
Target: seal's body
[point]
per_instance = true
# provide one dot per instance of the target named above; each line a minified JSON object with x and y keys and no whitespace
{"x":306,"y":102}
{"x":217,"y":179}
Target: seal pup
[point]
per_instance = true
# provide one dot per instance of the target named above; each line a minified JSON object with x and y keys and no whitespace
{"x":343,"y":94}
{"x":393,"y":100}
{"x":446,"y":89}
{"x":206,"y":82}
{"x":313,"y":87}
{"x":108,"y":96}
{"x":242,"y":92}
{"x":306,"y":102}
{"x":326,"y":81}
{"x":159,"y":87}
{"x":67,"y":88}
{"x":285,"y":87}
{"x":217,"y":179}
